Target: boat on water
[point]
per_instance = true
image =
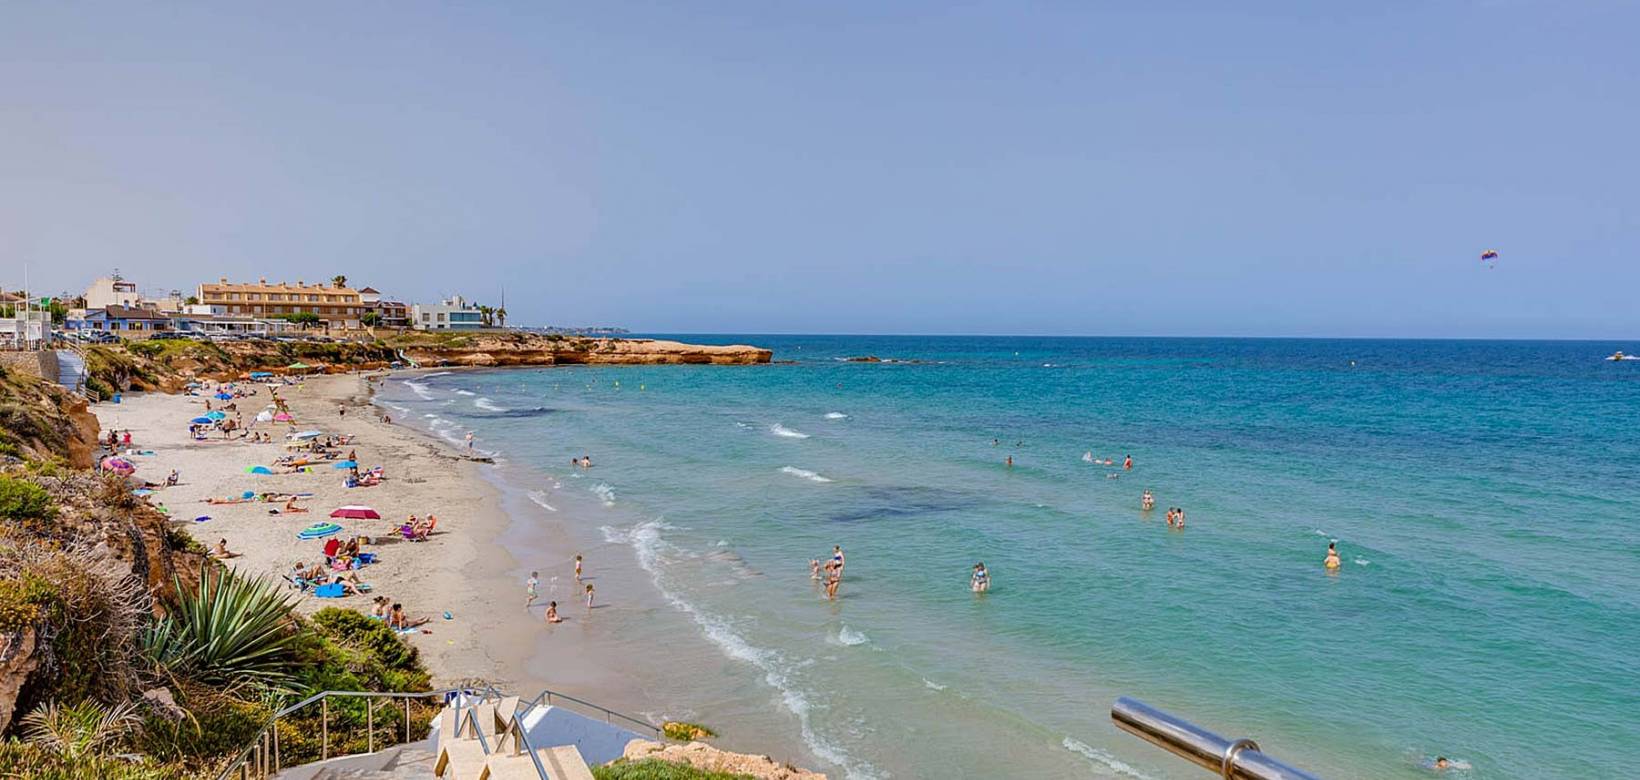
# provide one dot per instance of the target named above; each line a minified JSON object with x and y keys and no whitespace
{"x":1618,"y":355}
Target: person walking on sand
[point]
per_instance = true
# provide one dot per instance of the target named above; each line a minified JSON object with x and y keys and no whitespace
{"x":469,"y":442}
{"x":552,"y":613}
{"x":530,"y":586}
{"x":589,"y":595}
{"x":577,"y":567}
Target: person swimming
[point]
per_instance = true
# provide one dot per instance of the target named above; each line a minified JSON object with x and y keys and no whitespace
{"x":1332,"y":561}
{"x":1147,"y":502}
{"x":980,"y":582}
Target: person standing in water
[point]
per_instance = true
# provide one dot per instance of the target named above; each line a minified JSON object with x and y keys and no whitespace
{"x":814,"y":568}
{"x":589,"y":595}
{"x":1147,"y":502}
{"x":980,"y":582}
{"x":577,"y":568}
{"x":1127,"y":463}
{"x":1010,"y":461}
{"x":834,"y":577}
{"x":530,"y":586}
{"x":1332,"y":562}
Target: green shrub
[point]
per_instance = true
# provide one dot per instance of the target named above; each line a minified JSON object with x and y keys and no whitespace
{"x":361,"y":632}
{"x":24,"y":500}
{"x":80,"y":731}
{"x":25,"y":600}
{"x":20,"y":760}
{"x":686,"y":732}
{"x":656,"y":769}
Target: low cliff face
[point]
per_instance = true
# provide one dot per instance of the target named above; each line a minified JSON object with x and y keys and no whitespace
{"x":528,"y":349}
{"x":39,"y":419}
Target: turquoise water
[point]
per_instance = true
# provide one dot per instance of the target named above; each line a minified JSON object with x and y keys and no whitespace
{"x":1483,"y":496}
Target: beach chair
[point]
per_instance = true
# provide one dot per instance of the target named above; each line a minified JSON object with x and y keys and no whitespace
{"x":299,"y":584}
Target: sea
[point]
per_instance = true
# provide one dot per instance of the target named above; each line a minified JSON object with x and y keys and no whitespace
{"x":1484,"y":497}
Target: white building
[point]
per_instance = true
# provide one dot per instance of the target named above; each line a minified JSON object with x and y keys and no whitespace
{"x":453,"y":313}
{"x":112,"y":291}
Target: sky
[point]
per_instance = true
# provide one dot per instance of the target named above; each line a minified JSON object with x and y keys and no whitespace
{"x":1054,"y":168}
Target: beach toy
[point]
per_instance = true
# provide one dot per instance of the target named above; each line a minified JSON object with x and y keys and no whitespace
{"x":202,"y":518}
{"x":447,"y":616}
{"x":248,"y":494}
{"x":356,"y":512}
{"x":258,"y":470}
{"x":346,"y":464}
{"x":318,"y":531}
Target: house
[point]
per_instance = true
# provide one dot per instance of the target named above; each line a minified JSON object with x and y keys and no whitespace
{"x":125,"y":321}
{"x":453,"y":313}
{"x":389,"y":314}
{"x":335,"y":306}
{"x":112,"y":291}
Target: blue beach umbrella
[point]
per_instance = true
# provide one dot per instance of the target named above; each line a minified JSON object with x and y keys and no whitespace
{"x":318,"y":531}
{"x":259,"y":470}
{"x":261,"y":374}
{"x":202,"y":421}
{"x":224,"y":397}
{"x":346,"y":464}
{"x":215,"y":415}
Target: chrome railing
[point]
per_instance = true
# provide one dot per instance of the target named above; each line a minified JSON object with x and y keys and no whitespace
{"x":1238,"y":759}
{"x":261,"y":758}
{"x":551,"y":698}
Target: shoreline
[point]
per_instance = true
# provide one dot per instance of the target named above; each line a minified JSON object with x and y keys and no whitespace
{"x":491,"y":534}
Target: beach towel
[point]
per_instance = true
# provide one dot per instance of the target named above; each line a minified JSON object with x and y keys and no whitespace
{"x":331,"y":590}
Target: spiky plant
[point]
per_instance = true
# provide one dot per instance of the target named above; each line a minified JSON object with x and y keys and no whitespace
{"x":233,"y":630}
{"x":80,"y":730}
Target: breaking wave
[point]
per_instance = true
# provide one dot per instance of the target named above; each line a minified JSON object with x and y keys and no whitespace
{"x":804,"y":473}
{"x":781,"y":430}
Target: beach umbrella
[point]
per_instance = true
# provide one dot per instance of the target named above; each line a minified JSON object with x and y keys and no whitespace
{"x":215,"y":415}
{"x":307,"y":435}
{"x":346,"y":464}
{"x":298,"y":364}
{"x":283,"y":417}
{"x":264,"y":416}
{"x":318,"y":531}
{"x":356,"y":512}
{"x":202,"y":420}
{"x":119,"y":466}
{"x":258,"y":470}
{"x":224,"y":397}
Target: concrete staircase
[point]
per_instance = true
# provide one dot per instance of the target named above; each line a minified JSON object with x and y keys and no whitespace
{"x":413,"y":761}
{"x":481,"y":742}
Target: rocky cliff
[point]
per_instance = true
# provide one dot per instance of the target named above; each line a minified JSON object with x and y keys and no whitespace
{"x":528,"y":349}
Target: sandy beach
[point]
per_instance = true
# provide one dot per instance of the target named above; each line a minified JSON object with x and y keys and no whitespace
{"x":463,"y":569}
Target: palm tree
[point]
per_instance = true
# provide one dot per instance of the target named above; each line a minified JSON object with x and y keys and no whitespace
{"x":339,"y":280}
{"x":501,"y":314}
{"x":486,"y":313}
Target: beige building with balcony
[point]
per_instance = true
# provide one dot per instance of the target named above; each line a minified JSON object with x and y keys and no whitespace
{"x":336,"y":306}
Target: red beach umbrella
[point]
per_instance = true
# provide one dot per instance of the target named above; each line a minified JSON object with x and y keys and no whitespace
{"x":356,"y":512}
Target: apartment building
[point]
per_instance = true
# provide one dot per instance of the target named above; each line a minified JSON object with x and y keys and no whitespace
{"x":338,"y":307}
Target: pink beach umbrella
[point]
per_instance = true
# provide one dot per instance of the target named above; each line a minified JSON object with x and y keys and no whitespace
{"x":283,"y":417}
{"x":356,"y":512}
{"x":119,"y":466}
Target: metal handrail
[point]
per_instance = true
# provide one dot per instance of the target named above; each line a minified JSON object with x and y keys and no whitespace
{"x":251,"y":750}
{"x":1238,"y":759}
{"x":547,"y":694}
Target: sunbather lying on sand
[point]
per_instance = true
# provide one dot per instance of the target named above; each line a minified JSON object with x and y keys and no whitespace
{"x":398,"y":621}
{"x":221,"y":550}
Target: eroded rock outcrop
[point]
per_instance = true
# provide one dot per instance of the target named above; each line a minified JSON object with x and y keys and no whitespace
{"x":703,"y":756}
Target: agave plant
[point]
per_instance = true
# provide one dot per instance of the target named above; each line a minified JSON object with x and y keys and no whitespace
{"x":232,"y":630}
{"x":80,"y":730}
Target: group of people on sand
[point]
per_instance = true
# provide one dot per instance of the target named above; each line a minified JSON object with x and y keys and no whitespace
{"x":415,"y":529}
{"x":383,"y":608}
{"x":532,"y":591}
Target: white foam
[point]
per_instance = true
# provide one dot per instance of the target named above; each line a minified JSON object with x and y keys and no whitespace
{"x":646,"y":542}
{"x":605,"y":492}
{"x":1362,"y":561}
{"x":1104,"y":763}
{"x":397,"y":408}
{"x":836,"y":416}
{"x":804,"y":473}
{"x":488,"y":405}
{"x":431,"y":416}
{"x":933,"y":685}
{"x":465,"y":392}
{"x":540,"y":499}
{"x":781,"y":430}
{"x":848,"y":637}
{"x":420,"y":389}
{"x":435,"y":373}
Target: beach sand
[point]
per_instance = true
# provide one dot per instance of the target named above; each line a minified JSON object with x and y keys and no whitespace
{"x":463,"y":569}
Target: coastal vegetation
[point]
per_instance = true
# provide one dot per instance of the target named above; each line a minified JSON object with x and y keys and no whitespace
{"x":655,"y":769}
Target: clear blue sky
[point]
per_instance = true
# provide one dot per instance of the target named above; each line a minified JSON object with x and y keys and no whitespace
{"x":1015,"y":167}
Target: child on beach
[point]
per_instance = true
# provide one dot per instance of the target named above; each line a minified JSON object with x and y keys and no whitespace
{"x":589,"y":595}
{"x":578,"y":569}
{"x":814,"y":568}
{"x":530,"y":586}
{"x":552,"y":613}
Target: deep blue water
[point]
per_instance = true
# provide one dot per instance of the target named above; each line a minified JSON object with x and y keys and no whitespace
{"x":1483,"y":496}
